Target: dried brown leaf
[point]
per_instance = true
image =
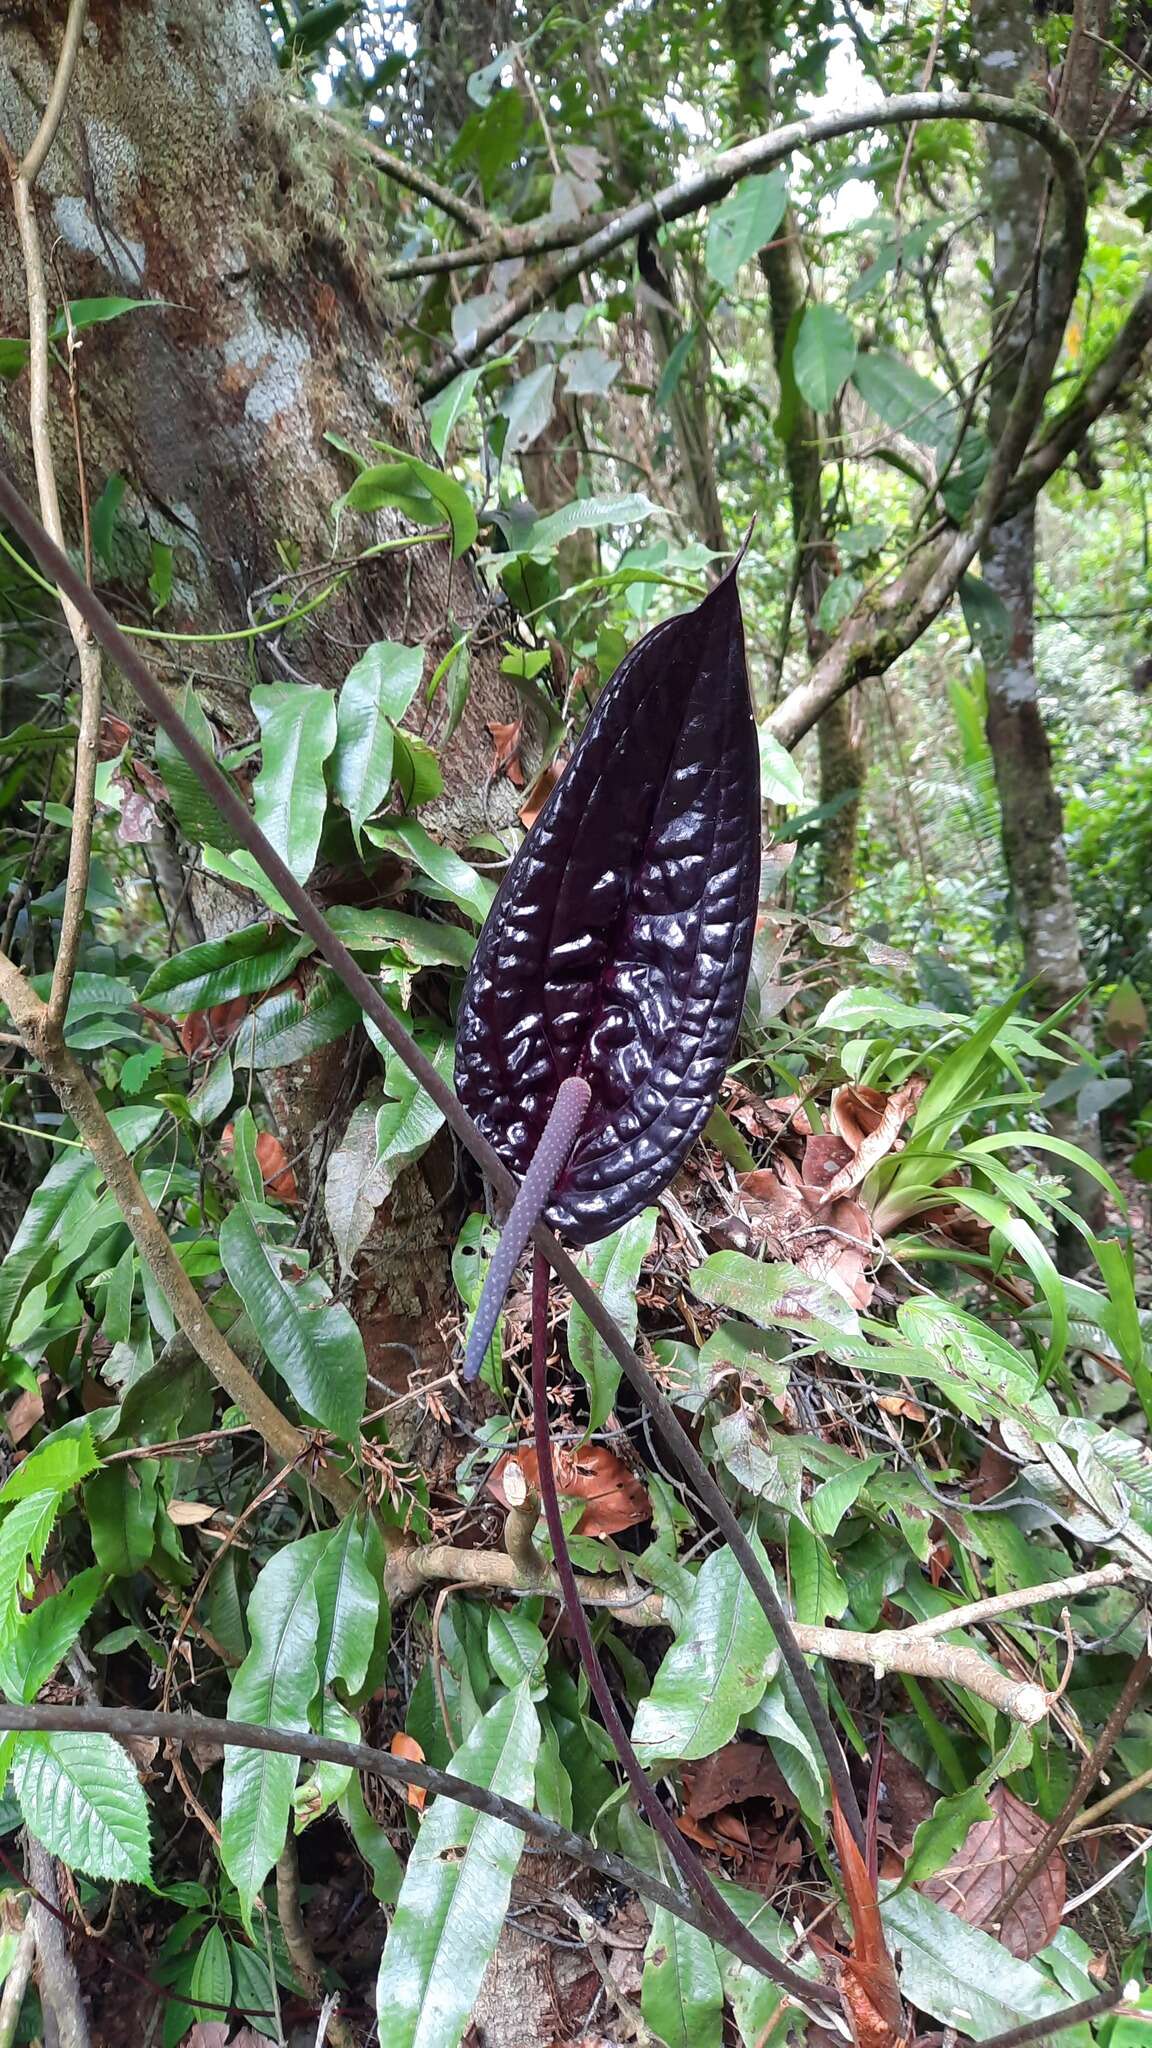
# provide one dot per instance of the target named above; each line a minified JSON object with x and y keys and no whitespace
{"x":974,"y":1882}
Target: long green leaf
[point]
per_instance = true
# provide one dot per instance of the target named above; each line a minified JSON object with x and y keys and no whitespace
{"x":240,"y":963}
{"x":613,"y":1267}
{"x":959,"y":1974}
{"x":196,"y":814}
{"x":715,"y":1672}
{"x":317,"y":1350}
{"x":274,"y":1687}
{"x":375,"y":696}
{"x":456,"y":1888}
{"x":298,"y":730}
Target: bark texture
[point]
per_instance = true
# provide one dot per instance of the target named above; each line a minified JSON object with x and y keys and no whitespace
{"x":185,"y":174}
{"x":1031,"y":813}
{"x":840,"y":732}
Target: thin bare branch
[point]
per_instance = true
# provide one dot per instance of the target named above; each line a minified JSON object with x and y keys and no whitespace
{"x":35,"y":156}
{"x":974,"y":1611}
{"x":87,"y":648}
{"x":701,"y":187}
{"x":126,"y":1722}
{"x":403,"y":173}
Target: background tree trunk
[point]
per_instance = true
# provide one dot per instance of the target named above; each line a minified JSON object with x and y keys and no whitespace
{"x":1031,"y":813}
{"x":184,"y":174}
{"x":840,"y":733}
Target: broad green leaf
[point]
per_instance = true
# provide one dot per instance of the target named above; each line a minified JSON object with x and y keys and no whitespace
{"x":274,"y":1687}
{"x":774,"y":1296}
{"x":834,"y":1497}
{"x":740,"y":226}
{"x":415,"y":771}
{"x":763,"y":2018}
{"x":681,"y":1994}
{"x":373,"y":1844}
{"x":241,"y":963}
{"x":80,"y":1796}
{"x":375,"y":696}
{"x":959,"y":1975}
{"x":542,"y":537}
{"x":24,"y":1534}
{"x":910,"y":404}
{"x":57,"y":1464}
{"x":317,"y":1350}
{"x":613,"y":1266}
{"x":938,"y":1838}
{"x":715,"y":1672}
{"x":792,"y":1749}
{"x":443,"y":411}
{"x":417,"y":941}
{"x":818,"y":1592}
{"x":527,"y":406}
{"x":588,"y":372}
{"x":456,"y":1888}
{"x":325,"y":1783}
{"x":243,"y":870}
{"x":780,"y":779}
{"x":211,"y":1979}
{"x":121,"y":1504}
{"x":42,"y":1638}
{"x":450,"y":499}
{"x":94,"y":312}
{"x":461,"y":884}
{"x":196,"y":814}
{"x":298,"y":732}
{"x":823,"y":356}
{"x":516,"y":1647}
{"x":348,"y":1598}
{"x":286,"y":1027}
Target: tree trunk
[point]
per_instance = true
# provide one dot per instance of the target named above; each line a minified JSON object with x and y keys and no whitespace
{"x":840,"y":731}
{"x":184,"y":175}
{"x":1031,"y":813}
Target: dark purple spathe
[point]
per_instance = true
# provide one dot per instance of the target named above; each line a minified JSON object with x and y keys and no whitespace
{"x":619,"y":944}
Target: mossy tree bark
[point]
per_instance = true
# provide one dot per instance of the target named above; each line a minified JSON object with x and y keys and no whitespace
{"x":184,"y":175}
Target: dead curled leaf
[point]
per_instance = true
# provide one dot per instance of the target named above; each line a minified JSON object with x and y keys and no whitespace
{"x":794,"y":1221}
{"x":869,"y":1123}
{"x":616,"y":1499}
{"x":974,"y":1882}
{"x":272,"y":1159}
{"x":406,"y":1746}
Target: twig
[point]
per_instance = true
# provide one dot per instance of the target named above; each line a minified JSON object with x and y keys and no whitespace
{"x":59,"y":1984}
{"x":301,"y":1953}
{"x":16,"y":1982}
{"x":87,"y":648}
{"x":1111,"y":1801}
{"x":77,"y":1096}
{"x":701,"y":187}
{"x":892,"y":1649}
{"x":368,"y":995}
{"x":125,"y":1722}
{"x":529,"y":238}
{"x":45,"y":136}
{"x":1086,"y":1776}
{"x":1007,"y":1603}
{"x":1109,"y":1877}
{"x":403,"y":173}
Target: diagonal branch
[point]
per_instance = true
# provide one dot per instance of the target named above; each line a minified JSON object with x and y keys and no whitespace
{"x":312,"y":920}
{"x":78,"y":1097}
{"x":701,"y":187}
{"x":404,"y":173}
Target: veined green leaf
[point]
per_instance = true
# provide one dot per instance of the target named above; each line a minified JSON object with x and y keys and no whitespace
{"x":241,"y":963}
{"x":211,"y":1979}
{"x":818,"y":1591}
{"x":456,"y":1888}
{"x":24,"y":1534}
{"x":57,"y":1464}
{"x":375,"y":696}
{"x":824,"y":355}
{"x":420,"y":941}
{"x":449,"y":497}
{"x":40,"y":1640}
{"x":461,"y":884}
{"x":960,"y":1975}
{"x":613,"y":1266}
{"x":716,"y":1670}
{"x":274,"y":1687}
{"x":740,"y":226}
{"x":196,"y":814}
{"x":317,"y":1351}
{"x":298,"y":731}
{"x":80,"y":1796}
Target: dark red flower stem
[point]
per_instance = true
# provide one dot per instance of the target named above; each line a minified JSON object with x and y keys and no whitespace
{"x":727,"y":1925}
{"x":548,"y":1161}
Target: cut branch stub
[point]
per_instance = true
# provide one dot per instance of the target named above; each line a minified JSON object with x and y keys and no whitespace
{"x":617,"y":949}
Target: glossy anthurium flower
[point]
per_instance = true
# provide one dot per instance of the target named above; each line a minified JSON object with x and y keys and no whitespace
{"x":615,"y":957}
